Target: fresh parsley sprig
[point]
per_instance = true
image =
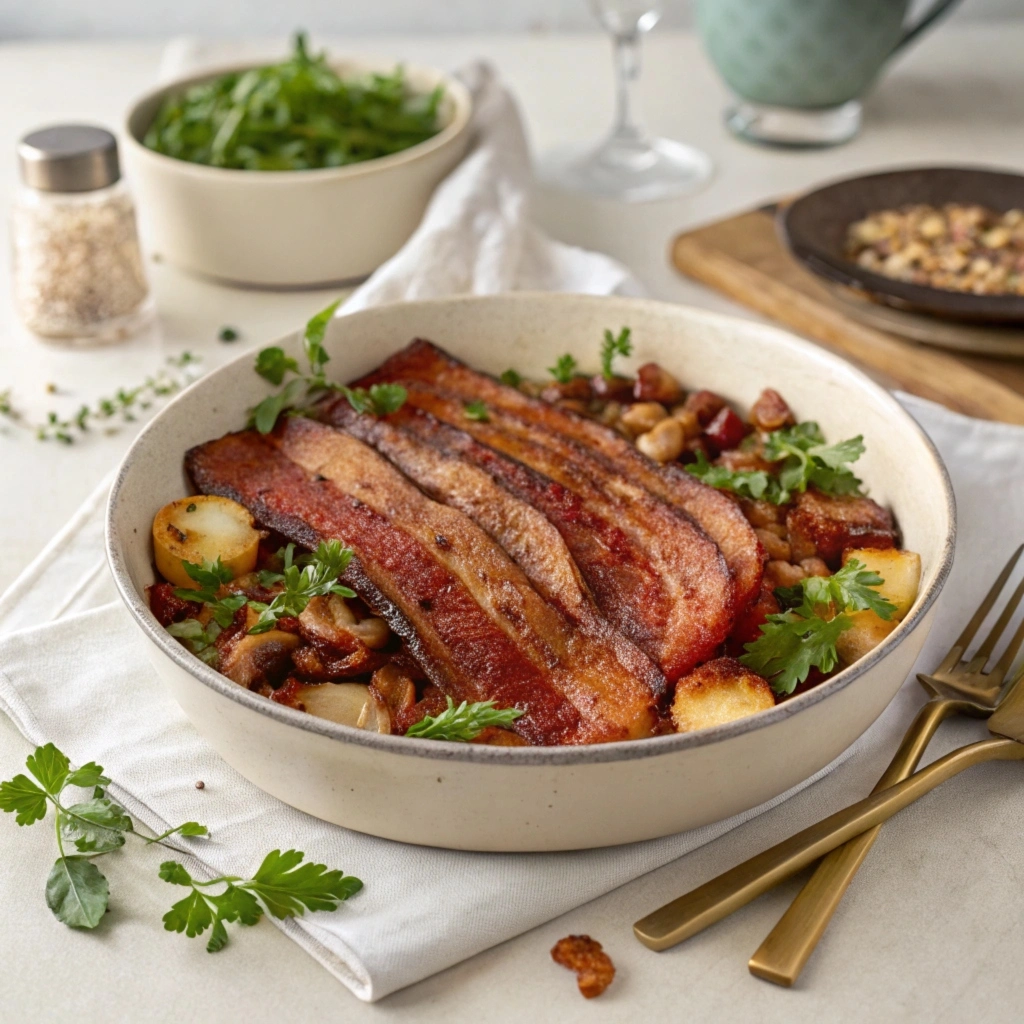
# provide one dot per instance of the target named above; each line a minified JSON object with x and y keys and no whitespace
{"x":803,"y":459}
{"x":317,"y":578}
{"x":76,"y":890}
{"x":804,"y":635}
{"x":274,"y":365}
{"x":282,"y":886}
{"x":463,"y":723}
{"x":78,"y":894}
{"x":210,"y":577}
{"x":564,"y":369}
{"x":200,"y":640}
{"x":614,"y":345}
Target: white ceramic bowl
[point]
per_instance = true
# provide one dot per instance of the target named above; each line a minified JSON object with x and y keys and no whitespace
{"x":508,"y":798}
{"x":290,"y":228}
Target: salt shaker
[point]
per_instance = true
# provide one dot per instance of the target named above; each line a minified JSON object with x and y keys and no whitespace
{"x":77,"y":267}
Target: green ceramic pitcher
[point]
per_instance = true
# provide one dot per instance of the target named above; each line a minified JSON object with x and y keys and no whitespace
{"x":800,"y":66}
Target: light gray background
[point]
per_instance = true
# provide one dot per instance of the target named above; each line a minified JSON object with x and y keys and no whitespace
{"x":76,"y":19}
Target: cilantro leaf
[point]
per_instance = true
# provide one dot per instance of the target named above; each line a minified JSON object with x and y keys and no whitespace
{"x":751,"y":483}
{"x":317,"y":578}
{"x":380,"y":400}
{"x":77,"y":892}
{"x":175,"y":873}
{"x":21,"y":797}
{"x":612,"y":346}
{"x":272,"y":364}
{"x":476,"y":411}
{"x":790,"y":646}
{"x":88,"y":776}
{"x":463,"y":723}
{"x":264,"y":416}
{"x":313,"y":339}
{"x":288,"y":887}
{"x":852,"y":588}
{"x":192,"y":915}
{"x":511,"y":378}
{"x":50,"y":766}
{"x":564,"y":369}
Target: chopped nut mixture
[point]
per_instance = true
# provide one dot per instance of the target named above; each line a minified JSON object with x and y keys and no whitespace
{"x":955,"y":247}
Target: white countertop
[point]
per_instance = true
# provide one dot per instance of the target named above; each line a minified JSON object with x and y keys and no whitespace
{"x":956,"y":98}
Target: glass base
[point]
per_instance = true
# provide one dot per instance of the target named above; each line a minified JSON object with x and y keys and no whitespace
{"x":794,"y":127}
{"x":634,"y":169}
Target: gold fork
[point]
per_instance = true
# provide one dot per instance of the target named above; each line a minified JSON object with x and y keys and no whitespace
{"x":957,"y":687}
{"x":736,"y":887}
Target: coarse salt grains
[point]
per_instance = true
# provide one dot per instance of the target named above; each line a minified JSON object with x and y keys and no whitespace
{"x":77,"y":266}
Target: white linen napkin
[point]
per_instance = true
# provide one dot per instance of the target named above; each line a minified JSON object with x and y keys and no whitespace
{"x":73,"y":668}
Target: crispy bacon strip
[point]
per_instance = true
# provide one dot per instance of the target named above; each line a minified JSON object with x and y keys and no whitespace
{"x":526,"y":534}
{"x":655,"y":575}
{"x":467,"y":612}
{"x":716,"y":513}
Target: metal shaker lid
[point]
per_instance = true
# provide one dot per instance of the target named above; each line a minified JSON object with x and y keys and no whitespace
{"x":69,"y":158}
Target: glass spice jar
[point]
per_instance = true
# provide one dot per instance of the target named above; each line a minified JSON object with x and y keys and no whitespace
{"x":77,"y":266}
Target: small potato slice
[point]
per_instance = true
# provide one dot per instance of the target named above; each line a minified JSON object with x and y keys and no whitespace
{"x":901,"y":571}
{"x":866,"y":633}
{"x":203,"y":528}
{"x":717,"y":692}
{"x":345,"y":703}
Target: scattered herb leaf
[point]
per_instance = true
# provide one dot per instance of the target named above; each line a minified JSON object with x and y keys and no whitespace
{"x":509,"y":377}
{"x":476,"y":411}
{"x":463,"y":723}
{"x":228,"y":334}
{"x":564,"y":368}
{"x":614,"y":345}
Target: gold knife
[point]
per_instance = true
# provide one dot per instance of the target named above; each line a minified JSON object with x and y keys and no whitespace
{"x":693,"y":912}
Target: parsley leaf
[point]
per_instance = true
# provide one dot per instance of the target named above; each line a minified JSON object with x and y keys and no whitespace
{"x":96,"y":826}
{"x":88,"y":776}
{"x":21,"y":797}
{"x":751,"y":483}
{"x":852,"y":588}
{"x":288,"y":887}
{"x":272,"y":364}
{"x":200,"y":641}
{"x":317,"y":578}
{"x":313,"y":339}
{"x":463,"y":723}
{"x":806,"y":459}
{"x":612,"y":346}
{"x":564,"y":368}
{"x":210,"y":576}
{"x":50,"y":767}
{"x":380,"y":400}
{"x":476,"y":411}
{"x":264,"y":416}
{"x":511,"y":378}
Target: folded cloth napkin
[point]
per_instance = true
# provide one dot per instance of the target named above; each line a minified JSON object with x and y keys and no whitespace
{"x":73,"y":668}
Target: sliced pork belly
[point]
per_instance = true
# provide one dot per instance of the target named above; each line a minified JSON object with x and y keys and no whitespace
{"x":654,"y":575}
{"x":524,"y":532}
{"x":717,"y":514}
{"x":467,"y":612}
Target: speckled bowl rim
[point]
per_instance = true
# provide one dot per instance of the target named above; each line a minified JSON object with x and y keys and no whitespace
{"x":436,"y":750}
{"x":462,"y":114}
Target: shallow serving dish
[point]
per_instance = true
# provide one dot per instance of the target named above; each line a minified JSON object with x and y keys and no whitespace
{"x":814,"y":228}
{"x":291,"y":228}
{"x":531,"y":798}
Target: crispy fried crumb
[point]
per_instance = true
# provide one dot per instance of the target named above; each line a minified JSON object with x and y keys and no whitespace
{"x":584,"y":955}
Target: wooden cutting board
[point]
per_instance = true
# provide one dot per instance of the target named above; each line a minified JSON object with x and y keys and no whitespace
{"x":743,"y":258}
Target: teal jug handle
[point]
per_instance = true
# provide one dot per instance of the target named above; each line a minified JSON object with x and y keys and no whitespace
{"x":931,"y":14}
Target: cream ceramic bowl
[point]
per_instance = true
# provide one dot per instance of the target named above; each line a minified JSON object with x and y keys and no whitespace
{"x":290,"y":228}
{"x":517,"y":799}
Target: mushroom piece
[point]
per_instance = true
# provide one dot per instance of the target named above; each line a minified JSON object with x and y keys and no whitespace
{"x":259,"y":660}
{"x":351,"y":704}
{"x":330,"y":620}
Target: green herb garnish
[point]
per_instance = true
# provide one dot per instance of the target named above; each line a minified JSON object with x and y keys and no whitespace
{"x":379,"y":400}
{"x":509,"y":377}
{"x":283,"y":886}
{"x":228,"y":334}
{"x":210,"y":577}
{"x":476,"y":411}
{"x":78,"y":893}
{"x":463,"y":723}
{"x":804,"y":459}
{"x":612,"y":346}
{"x":198,"y":640}
{"x":317,"y":578}
{"x":296,"y":115}
{"x":804,"y":636}
{"x":564,"y":369}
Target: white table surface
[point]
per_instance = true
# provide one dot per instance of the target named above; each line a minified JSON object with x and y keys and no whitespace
{"x":945,"y":874}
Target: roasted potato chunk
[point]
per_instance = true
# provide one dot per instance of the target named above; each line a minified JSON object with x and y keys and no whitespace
{"x":901,"y":571}
{"x":866,"y":633}
{"x":203,"y":528}
{"x":717,"y":692}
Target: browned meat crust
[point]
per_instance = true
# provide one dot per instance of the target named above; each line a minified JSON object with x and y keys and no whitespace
{"x":834,"y":522}
{"x":467,"y":613}
{"x":716,"y":513}
{"x":526,"y":534}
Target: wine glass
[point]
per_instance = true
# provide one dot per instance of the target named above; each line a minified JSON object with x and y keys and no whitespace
{"x":629,"y":164}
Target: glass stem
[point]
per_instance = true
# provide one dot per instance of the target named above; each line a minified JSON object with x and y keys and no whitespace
{"x":627,"y":71}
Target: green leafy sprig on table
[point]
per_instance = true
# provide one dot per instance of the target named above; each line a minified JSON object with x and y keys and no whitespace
{"x":614,"y":345}
{"x":295,"y":115}
{"x":804,"y":635}
{"x":463,"y":723}
{"x":274,"y":364}
{"x":804,"y":459}
{"x":124,"y":406}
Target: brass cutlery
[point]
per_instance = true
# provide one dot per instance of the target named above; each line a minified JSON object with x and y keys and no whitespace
{"x":693,"y":912}
{"x":957,"y":687}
